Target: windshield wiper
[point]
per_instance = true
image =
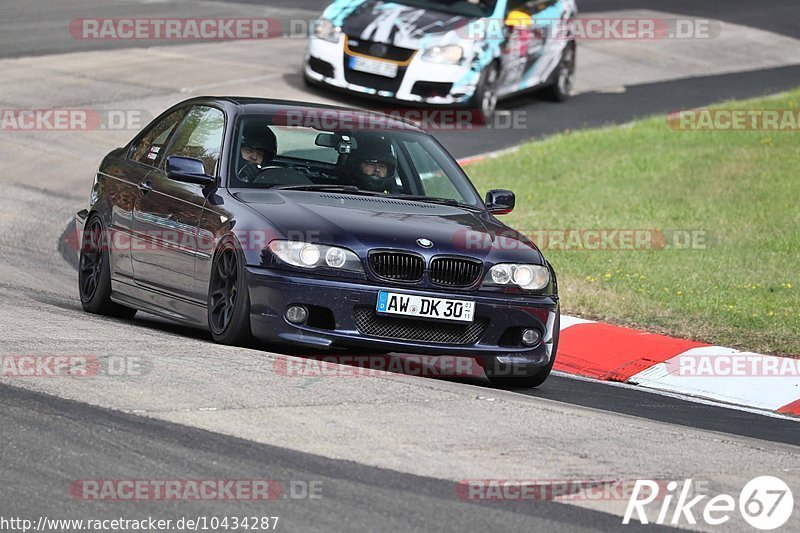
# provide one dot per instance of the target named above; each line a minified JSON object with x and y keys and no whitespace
{"x":433,"y":200}
{"x":345,"y":189}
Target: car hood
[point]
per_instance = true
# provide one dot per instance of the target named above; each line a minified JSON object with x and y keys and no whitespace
{"x":399,"y":25}
{"x":366,"y":222}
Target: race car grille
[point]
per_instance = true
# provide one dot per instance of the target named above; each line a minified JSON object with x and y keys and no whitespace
{"x":372,"y":324}
{"x":397,"y":266}
{"x":373,"y":81}
{"x":379,"y":50}
{"x":455,"y":272}
{"x":429,"y":89}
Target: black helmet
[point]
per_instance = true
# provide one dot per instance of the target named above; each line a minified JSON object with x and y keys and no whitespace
{"x":260,"y":138}
{"x":372,"y":149}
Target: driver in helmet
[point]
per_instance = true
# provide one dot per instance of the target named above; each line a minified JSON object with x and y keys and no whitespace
{"x":258,"y":147}
{"x":371,"y":165}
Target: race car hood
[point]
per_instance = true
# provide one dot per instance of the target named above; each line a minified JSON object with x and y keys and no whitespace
{"x":368,"y":222}
{"x":399,"y":25}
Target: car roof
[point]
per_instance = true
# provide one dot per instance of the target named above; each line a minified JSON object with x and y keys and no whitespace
{"x":313,"y":112}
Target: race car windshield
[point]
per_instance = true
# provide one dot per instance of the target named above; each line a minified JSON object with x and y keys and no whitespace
{"x":465,"y":8}
{"x":268,"y":154}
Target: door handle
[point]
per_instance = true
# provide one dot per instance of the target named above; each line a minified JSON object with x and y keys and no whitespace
{"x":145,"y":187}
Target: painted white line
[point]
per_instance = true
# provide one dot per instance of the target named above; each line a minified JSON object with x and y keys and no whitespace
{"x":772,"y":383}
{"x":567,"y":321}
{"x":488,"y":155}
{"x":678,"y":396}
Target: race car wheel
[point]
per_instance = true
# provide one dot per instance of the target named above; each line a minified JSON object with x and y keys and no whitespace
{"x":563,"y":76}
{"x":94,"y":273}
{"x":499,"y":375}
{"x":228,"y":297}
{"x":485,"y":98}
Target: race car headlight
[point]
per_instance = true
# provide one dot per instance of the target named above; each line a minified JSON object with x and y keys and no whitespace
{"x":311,"y":256}
{"x":325,"y":29}
{"x":528,"y":277}
{"x":449,"y":55}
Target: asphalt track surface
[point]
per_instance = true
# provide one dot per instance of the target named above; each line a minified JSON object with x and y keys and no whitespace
{"x":48,"y":441}
{"x":35,"y":28}
{"x":354,"y":497}
{"x":590,"y":109}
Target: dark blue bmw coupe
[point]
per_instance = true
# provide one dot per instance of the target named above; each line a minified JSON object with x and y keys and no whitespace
{"x":318,"y":227}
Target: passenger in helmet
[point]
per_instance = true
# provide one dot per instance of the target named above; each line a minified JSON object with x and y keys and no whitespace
{"x":372,"y":164}
{"x":258,"y":146}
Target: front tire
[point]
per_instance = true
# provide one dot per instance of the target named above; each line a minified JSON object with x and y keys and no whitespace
{"x":564,"y":76}
{"x":485,"y":98}
{"x":228,"y":297}
{"x":94,"y":273}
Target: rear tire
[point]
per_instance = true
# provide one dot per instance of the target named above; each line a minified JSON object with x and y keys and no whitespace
{"x":94,"y":273}
{"x":560,"y":89}
{"x":501,"y":380}
{"x":228,"y":297}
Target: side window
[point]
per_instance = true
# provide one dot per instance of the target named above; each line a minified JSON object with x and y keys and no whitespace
{"x":150,"y":147}
{"x":200,"y":136}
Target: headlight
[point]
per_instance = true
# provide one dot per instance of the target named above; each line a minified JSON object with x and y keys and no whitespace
{"x":450,"y":55}
{"x":324,"y":29}
{"x":529,"y":277}
{"x":311,"y":256}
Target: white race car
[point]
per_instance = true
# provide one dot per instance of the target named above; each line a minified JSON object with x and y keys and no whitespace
{"x":466,"y":53}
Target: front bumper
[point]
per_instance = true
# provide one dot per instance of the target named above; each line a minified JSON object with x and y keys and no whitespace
{"x":325,"y":64}
{"x":273,"y":291}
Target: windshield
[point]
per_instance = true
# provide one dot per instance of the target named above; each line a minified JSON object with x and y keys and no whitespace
{"x":357,"y":161}
{"x":465,"y":8}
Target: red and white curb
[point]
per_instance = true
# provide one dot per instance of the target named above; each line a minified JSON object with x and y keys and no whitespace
{"x":675,"y":366}
{"x":611,"y":353}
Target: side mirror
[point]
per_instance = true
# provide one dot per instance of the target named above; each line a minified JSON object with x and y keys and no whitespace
{"x":500,"y":201}
{"x":187,"y":169}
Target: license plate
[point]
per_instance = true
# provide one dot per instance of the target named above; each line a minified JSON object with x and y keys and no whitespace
{"x":379,"y":68}
{"x":392,"y":303}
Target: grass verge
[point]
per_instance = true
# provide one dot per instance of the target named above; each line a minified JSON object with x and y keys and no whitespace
{"x":738,"y":190}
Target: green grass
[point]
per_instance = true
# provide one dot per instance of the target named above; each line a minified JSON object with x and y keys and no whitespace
{"x":742,"y":188}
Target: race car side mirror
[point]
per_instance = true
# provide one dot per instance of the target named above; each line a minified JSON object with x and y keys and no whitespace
{"x":500,"y":201}
{"x":187,"y":169}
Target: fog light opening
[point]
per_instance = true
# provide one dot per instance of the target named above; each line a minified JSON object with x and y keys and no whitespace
{"x":531,"y":337}
{"x":297,"y":314}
